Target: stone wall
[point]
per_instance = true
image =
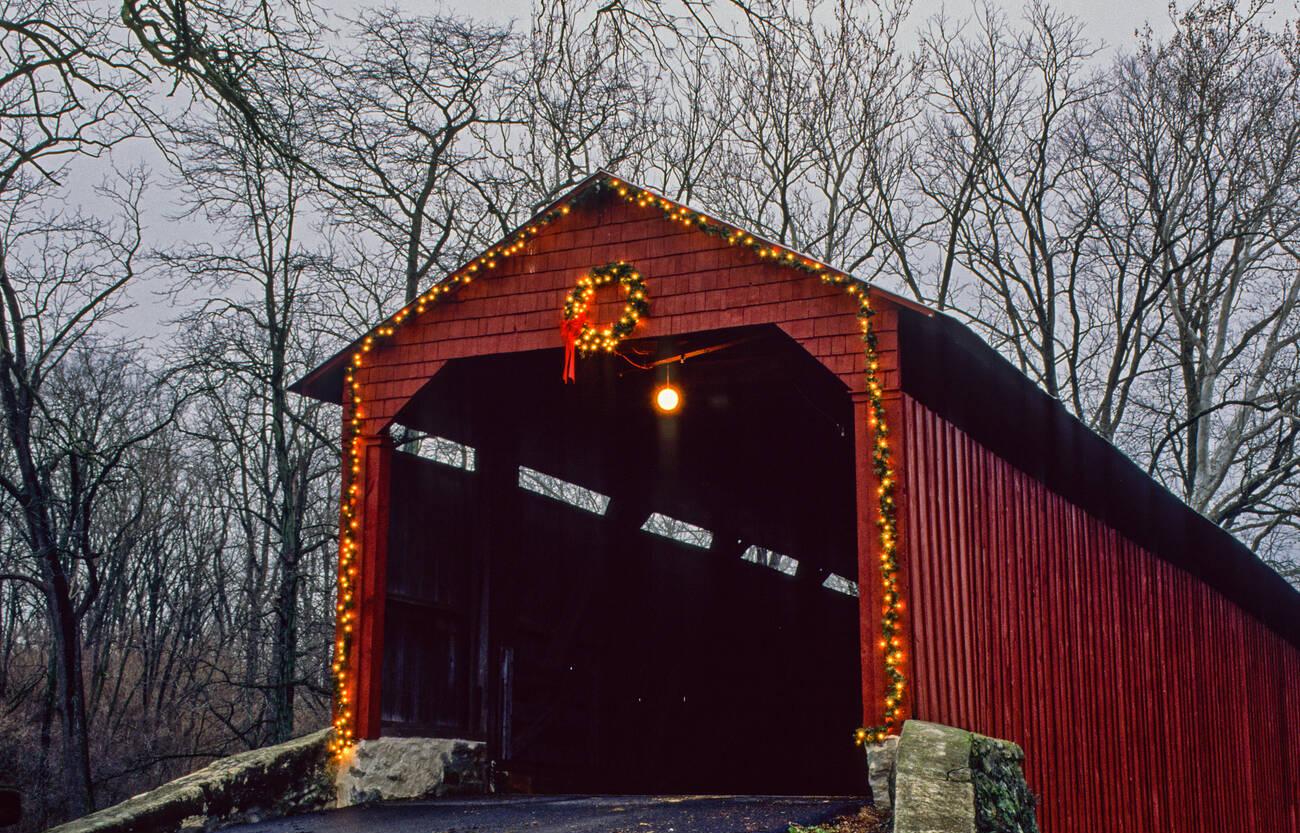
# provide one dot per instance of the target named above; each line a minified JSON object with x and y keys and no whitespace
{"x":295,"y":777}
{"x":948,"y":780}
{"x":1003,"y":802}
{"x":939,"y":779}
{"x":387,"y":769}
{"x":273,"y":781}
{"x":932,"y":784}
{"x":882,"y":759}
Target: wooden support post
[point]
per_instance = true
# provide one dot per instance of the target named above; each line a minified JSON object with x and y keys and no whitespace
{"x":870,"y":590}
{"x":376,"y":473}
{"x":494,"y":543}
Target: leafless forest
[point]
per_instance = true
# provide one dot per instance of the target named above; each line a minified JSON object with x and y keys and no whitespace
{"x":1123,"y":223}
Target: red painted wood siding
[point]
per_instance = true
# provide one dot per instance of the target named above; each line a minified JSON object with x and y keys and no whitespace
{"x":1145,"y":700}
{"x":372,"y":583}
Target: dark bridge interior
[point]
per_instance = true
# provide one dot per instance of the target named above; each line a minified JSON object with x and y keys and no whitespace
{"x":608,"y":596}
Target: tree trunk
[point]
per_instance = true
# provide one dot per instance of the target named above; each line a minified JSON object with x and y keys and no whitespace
{"x":64,"y":622}
{"x":285,"y":658}
{"x":69,"y":695}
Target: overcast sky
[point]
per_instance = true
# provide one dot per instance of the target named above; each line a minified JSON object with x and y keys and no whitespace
{"x":1111,"y":21}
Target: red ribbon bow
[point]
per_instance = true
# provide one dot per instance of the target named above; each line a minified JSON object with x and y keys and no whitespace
{"x":570,"y":328}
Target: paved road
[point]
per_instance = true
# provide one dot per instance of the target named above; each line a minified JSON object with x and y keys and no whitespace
{"x":571,"y":814}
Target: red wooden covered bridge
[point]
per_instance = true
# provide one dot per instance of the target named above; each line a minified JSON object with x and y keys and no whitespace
{"x":856,"y":512}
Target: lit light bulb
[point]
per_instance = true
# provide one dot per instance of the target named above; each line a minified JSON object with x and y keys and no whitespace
{"x":668,"y":399}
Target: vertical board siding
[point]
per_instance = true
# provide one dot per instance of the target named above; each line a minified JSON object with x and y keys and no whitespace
{"x":1146,"y":702}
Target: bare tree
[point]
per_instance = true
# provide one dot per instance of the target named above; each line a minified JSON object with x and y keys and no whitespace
{"x":60,"y":277}
{"x":1211,"y":172}
{"x":1003,"y":98}
{"x":696,"y":112}
{"x":395,"y":128}
{"x":242,"y":348}
{"x":228,"y":52}
{"x":67,"y":90}
{"x":1128,"y":235}
{"x":803,"y":131}
{"x":67,"y":86}
{"x":577,"y":103}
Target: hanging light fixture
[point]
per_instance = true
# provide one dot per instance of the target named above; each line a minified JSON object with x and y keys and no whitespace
{"x":668,"y":399}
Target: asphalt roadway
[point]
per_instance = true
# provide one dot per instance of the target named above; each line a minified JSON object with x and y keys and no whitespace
{"x":571,"y":814}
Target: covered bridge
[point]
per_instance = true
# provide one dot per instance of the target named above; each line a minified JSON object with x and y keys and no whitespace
{"x":854,"y":512}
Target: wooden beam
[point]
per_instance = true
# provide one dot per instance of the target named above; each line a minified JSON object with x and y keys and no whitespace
{"x":376,"y":471}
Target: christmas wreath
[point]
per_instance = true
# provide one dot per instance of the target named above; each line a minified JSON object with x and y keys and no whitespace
{"x":581,"y":335}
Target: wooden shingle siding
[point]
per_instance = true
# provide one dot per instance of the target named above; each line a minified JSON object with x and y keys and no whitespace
{"x":696,"y":282}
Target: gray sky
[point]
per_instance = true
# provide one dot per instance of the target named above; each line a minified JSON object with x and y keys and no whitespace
{"x":1111,"y":21}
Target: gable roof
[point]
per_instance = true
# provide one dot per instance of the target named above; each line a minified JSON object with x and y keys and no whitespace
{"x":325,"y":382}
